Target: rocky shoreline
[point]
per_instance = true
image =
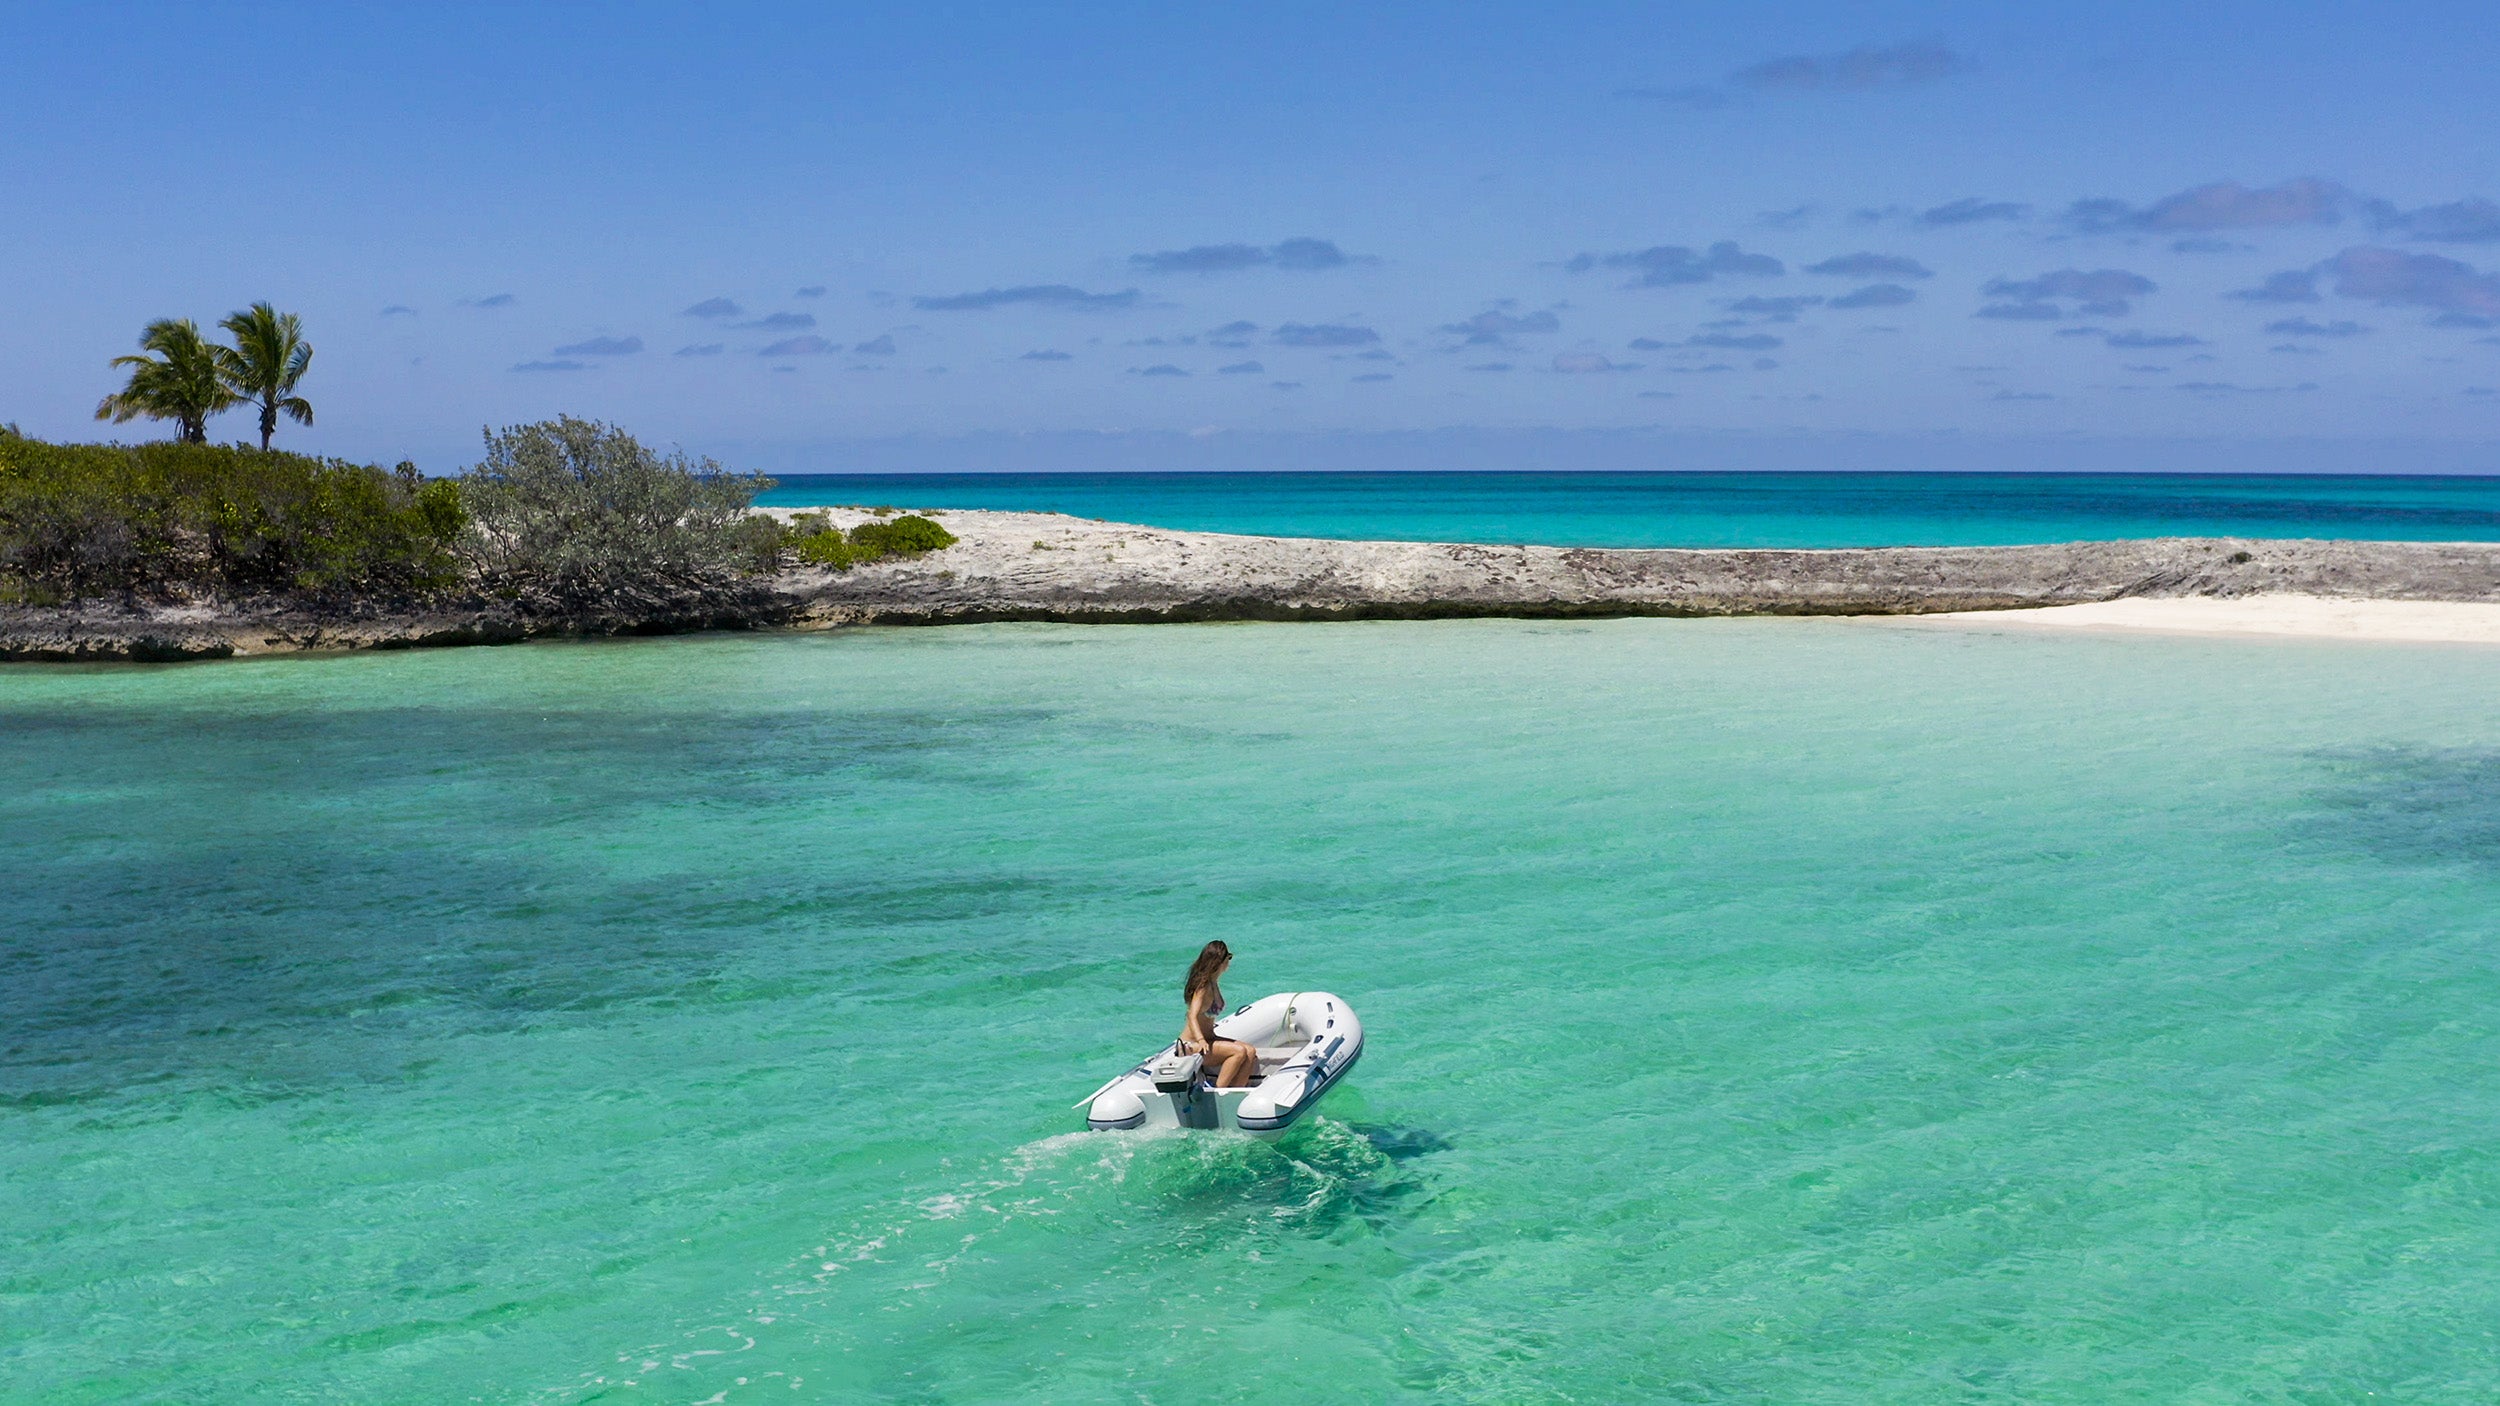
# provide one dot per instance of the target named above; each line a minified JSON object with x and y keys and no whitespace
{"x":1043,"y":566}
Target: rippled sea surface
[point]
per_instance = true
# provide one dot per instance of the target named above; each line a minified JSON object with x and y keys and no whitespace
{"x":1798,"y":1011}
{"x":1716,"y":509}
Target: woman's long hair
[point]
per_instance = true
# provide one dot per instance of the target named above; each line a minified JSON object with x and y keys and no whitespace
{"x":1211,"y":959}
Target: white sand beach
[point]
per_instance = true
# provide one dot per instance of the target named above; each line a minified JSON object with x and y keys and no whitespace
{"x":2290,"y":615}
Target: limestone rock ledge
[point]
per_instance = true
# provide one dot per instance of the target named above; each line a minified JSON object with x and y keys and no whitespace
{"x":1044,"y":566}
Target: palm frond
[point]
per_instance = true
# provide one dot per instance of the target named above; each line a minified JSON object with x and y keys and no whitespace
{"x":180,"y":382}
{"x":268,"y":358}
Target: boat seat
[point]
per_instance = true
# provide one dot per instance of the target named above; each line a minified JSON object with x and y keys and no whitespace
{"x":1270,"y":1059}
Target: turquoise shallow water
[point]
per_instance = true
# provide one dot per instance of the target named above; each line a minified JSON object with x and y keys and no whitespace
{"x":1801,"y":1011}
{"x":1715,"y":509}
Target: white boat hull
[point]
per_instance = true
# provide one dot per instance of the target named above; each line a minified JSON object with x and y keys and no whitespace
{"x":1306,"y":1040}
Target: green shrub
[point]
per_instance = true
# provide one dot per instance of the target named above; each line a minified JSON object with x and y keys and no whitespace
{"x":573,"y":510}
{"x":820,"y":543}
{"x":905,"y":536}
{"x":82,"y":519}
{"x":830,"y":548}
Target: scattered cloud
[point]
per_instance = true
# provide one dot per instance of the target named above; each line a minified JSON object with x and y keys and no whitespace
{"x":813,"y":290}
{"x":781,"y":322}
{"x":2022,"y":395}
{"x":1732,"y":341}
{"x":1495,"y":328}
{"x":1646,"y":344}
{"x":1774,"y":309}
{"x":2099,"y":292}
{"x":1308,"y":254}
{"x":2303,"y":327}
{"x":1971,"y":210}
{"x":1242,"y":368}
{"x":1323,"y":334}
{"x":2289,"y":286}
{"x":2206,"y":244}
{"x":1588,"y":364}
{"x":714,"y":307}
{"x":1860,"y":70}
{"x":2220,"y":205}
{"x":1049,"y":295}
{"x":2215,"y":390}
{"x":494,"y":300}
{"x":1866,"y":265}
{"x":1233,"y":334}
{"x":880,"y":345}
{"x":1301,"y":254}
{"x":2022,"y":312}
{"x":1203,"y":258}
{"x":1795,"y":217}
{"x":1371,"y":376}
{"x":1285,"y":385}
{"x":1667,"y":265}
{"x":700,"y":349}
{"x":556,"y":365}
{"x":2473,"y":221}
{"x":399,"y":310}
{"x":1490,"y":366}
{"x":1692,"y":99}
{"x":800,"y":346}
{"x":2132,"y":340}
{"x":603,"y":346}
{"x":1876,"y":295}
{"x":2392,"y":277}
{"x":1046,"y":354}
{"x":1161,"y":368}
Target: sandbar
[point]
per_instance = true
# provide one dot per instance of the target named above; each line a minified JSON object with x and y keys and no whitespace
{"x":2289,"y":614}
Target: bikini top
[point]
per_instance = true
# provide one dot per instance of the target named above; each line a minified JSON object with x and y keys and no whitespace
{"x":1215,"y":1008}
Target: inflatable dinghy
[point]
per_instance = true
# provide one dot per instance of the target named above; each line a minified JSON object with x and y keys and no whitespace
{"x":1306,"y":1041}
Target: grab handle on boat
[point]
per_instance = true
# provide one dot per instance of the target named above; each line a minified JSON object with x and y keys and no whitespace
{"x":1116,"y":1079}
{"x":1106,"y":1088}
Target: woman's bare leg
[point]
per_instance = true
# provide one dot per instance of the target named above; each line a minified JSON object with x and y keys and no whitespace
{"x":1238,"y":1062}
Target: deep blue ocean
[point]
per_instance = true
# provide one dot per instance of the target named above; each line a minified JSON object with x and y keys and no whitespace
{"x":1713,"y":509}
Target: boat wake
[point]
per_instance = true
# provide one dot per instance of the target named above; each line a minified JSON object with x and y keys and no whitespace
{"x":1110,"y":1214}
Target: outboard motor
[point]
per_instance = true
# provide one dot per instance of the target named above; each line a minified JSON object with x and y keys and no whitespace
{"x":1174,"y":1072}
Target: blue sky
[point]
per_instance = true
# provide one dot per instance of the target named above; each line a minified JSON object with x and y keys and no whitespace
{"x":804,"y":237}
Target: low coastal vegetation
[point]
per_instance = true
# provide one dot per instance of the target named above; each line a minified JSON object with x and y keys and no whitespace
{"x":572,"y":514}
{"x":566,"y":516}
{"x":181,"y":520}
{"x":818,"y":542}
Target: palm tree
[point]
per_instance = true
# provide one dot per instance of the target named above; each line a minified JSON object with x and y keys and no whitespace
{"x":268,"y":357}
{"x":179,"y":383}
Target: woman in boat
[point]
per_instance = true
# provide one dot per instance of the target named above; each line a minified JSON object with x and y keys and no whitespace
{"x":1232,"y":1061}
